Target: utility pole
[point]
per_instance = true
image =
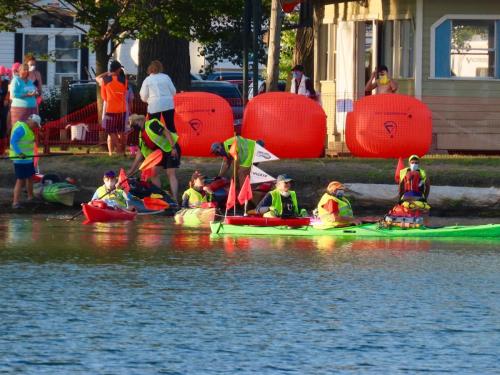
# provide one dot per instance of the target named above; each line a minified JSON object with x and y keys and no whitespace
{"x":247,"y":15}
{"x":273,"y":56}
{"x":256,"y":13}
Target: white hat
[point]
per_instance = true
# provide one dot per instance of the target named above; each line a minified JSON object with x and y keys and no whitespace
{"x":34,"y":117}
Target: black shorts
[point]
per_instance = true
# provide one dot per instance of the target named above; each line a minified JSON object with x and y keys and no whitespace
{"x":168,"y":116}
{"x":114,"y":123}
{"x":24,"y":170}
{"x":168,"y":161}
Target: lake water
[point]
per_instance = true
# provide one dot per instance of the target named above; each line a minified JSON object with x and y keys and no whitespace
{"x":149,"y":297}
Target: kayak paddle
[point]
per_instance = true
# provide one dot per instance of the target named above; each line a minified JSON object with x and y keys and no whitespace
{"x":155,"y":204}
{"x":152,"y":160}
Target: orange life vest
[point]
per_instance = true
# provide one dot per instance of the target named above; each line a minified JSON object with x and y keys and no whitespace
{"x":412,"y":182}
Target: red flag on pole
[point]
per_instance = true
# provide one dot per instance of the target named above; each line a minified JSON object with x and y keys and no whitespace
{"x":231,"y":197}
{"x":123,"y":180}
{"x":246,"y":192}
{"x":398,"y":170}
{"x":233,"y":151}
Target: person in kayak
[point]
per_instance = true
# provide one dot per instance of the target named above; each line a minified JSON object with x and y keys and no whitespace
{"x":414,"y":184}
{"x":245,"y":149}
{"x":110,"y":193}
{"x":198,"y":193}
{"x":280,"y":202}
{"x":334,"y":209}
{"x":154,"y":135}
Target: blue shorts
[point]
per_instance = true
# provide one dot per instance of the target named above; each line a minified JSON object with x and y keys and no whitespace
{"x":24,"y":170}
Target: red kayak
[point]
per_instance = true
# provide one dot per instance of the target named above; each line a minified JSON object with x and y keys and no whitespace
{"x":259,"y":221}
{"x":97,"y":213}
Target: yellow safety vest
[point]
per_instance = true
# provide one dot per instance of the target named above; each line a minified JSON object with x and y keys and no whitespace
{"x":26,"y":143}
{"x":278,"y":205}
{"x":196,"y":198}
{"x":345,"y":209}
{"x":159,"y":140}
{"x":246,"y":148}
{"x":116,"y":195}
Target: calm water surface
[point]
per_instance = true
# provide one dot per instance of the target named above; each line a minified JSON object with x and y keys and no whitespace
{"x":149,"y":297}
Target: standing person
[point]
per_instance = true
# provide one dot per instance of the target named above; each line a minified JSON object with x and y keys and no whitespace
{"x":23,"y":95}
{"x":4,"y":107}
{"x":154,"y":135}
{"x":35,"y":76}
{"x":301,"y":84}
{"x":158,"y":91}
{"x":22,"y":148}
{"x":114,"y":88}
{"x":245,"y":149}
{"x":381,"y":82}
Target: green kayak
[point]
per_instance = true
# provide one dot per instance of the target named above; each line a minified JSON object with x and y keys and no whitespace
{"x":59,"y":192}
{"x":491,"y":231}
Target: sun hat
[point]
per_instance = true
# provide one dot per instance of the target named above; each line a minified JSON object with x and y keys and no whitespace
{"x":284,"y":178}
{"x":413,"y":157}
{"x":334,"y":186}
{"x":34,"y":117}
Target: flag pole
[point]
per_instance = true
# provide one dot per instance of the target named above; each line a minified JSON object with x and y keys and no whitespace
{"x":245,"y":212}
{"x":234,"y":172}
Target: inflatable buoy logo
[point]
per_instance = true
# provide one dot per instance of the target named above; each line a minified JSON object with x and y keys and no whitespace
{"x":391,"y":128}
{"x":195,"y":125}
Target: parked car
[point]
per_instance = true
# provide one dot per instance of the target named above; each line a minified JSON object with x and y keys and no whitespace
{"x":225,"y":89}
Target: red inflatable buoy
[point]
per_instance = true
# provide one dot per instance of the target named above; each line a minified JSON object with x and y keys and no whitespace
{"x":201,"y":119}
{"x":389,"y":126}
{"x":291,"y":126}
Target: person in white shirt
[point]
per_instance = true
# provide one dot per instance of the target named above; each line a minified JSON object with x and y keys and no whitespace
{"x":158,"y":91}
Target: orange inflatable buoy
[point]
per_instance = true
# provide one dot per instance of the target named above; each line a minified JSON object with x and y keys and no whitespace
{"x":201,"y":119}
{"x":389,"y":126}
{"x":291,"y":126}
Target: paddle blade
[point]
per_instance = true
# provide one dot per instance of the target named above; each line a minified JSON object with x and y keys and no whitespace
{"x":152,"y":160}
{"x":155,"y":204}
{"x":246,"y":192}
{"x":123,"y":180}
{"x":398,"y":170}
{"x":231,"y":197}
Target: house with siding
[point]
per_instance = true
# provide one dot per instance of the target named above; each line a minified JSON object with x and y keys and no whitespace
{"x":444,"y":52}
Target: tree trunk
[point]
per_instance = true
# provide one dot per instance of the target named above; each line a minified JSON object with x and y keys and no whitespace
{"x":273,"y":57}
{"x":172,"y":52}
{"x":303,"y":53}
{"x":101,"y":65}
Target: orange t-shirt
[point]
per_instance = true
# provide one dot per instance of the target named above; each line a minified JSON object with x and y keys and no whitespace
{"x":114,"y":92}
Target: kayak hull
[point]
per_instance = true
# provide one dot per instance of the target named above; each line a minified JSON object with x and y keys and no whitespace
{"x":104,"y":215}
{"x":267,"y":221}
{"x":491,"y":231}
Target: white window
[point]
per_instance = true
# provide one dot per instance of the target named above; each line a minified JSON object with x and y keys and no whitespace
{"x":472,"y":48}
{"x":66,"y":57}
{"x":465,"y":47}
{"x":57,"y":54}
{"x":398,"y":47}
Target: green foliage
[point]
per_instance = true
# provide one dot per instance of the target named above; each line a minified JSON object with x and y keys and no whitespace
{"x":287,"y":46}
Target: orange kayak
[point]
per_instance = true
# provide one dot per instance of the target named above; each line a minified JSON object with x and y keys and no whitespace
{"x":97,"y":214}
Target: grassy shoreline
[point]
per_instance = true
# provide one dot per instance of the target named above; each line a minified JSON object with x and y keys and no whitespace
{"x":311,"y":175}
